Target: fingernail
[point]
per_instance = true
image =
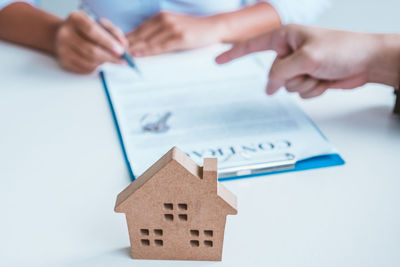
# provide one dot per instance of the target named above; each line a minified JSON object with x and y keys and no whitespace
{"x":269,"y":89}
{"x":118,"y":49}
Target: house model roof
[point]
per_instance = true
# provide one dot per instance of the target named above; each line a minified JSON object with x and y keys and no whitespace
{"x":175,"y":154}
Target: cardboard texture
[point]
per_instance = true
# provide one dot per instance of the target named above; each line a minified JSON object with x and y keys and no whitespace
{"x":177,"y":210}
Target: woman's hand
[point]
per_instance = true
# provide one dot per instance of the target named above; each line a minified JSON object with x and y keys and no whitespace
{"x":167,"y":32}
{"x":82,"y":45}
{"x":310,"y":60}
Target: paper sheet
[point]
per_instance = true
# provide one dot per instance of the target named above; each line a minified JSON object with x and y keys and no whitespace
{"x":215,"y":111}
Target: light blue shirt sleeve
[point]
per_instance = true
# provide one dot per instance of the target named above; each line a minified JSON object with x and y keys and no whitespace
{"x":299,"y":11}
{"x":128,"y":14}
{"x":4,"y":3}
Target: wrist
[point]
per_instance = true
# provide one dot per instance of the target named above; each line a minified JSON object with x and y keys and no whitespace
{"x":220,"y":25}
{"x":385,"y":64}
{"x":245,"y":23}
{"x":54,"y":28}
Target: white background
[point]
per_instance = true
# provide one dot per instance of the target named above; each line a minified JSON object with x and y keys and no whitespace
{"x":61,"y":168}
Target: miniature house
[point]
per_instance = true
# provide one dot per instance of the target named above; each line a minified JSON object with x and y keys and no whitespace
{"x":176,"y":210}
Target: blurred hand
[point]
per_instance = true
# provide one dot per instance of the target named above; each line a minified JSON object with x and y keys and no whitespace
{"x":167,"y":32}
{"x":310,"y":60}
{"x":82,"y":45}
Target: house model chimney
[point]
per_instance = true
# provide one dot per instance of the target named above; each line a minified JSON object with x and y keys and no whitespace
{"x":210,"y":173}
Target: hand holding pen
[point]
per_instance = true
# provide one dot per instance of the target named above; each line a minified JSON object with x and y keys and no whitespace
{"x":82,"y":44}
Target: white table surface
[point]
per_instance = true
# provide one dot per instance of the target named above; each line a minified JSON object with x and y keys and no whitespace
{"x":61,"y":169}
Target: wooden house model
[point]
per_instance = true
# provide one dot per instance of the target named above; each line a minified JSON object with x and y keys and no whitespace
{"x":176,"y":210}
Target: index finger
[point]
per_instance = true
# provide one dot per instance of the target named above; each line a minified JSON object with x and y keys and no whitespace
{"x":92,"y":31}
{"x":115,"y":31}
{"x":146,"y":29}
{"x":263,"y":42}
{"x":286,"y":68}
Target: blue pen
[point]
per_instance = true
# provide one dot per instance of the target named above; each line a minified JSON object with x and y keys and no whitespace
{"x":125,"y":55}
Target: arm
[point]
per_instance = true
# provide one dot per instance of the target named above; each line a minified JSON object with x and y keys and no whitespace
{"x":24,"y":24}
{"x":246,"y":23}
{"x":265,"y":15}
{"x":299,"y":11}
{"x":310,"y":60}
{"x":78,"y":42}
{"x":168,"y":32}
{"x":385,"y":63}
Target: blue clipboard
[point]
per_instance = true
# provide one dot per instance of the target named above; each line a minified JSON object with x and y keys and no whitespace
{"x":301,"y":165}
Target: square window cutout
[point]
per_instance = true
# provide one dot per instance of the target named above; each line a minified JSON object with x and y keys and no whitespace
{"x":182,"y":206}
{"x":194,"y":232}
{"x":194,"y":243}
{"x":144,"y":231}
{"x":169,"y":217}
{"x":208,"y":243}
{"x":168,"y":206}
{"x":183,"y":217}
{"x":158,"y":232}
{"x":145,"y":242}
{"x":208,"y":233}
{"x":158,"y":242}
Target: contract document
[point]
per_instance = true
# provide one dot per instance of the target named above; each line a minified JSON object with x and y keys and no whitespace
{"x":186,"y":100}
